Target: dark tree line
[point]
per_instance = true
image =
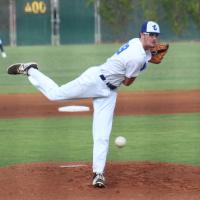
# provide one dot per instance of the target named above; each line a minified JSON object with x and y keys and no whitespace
{"x":177,"y":13}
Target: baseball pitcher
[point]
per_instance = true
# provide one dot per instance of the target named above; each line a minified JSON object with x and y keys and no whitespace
{"x":101,"y":83}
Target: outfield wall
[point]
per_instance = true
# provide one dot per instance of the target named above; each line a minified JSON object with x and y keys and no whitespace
{"x":4,"y":21}
{"x":44,"y":22}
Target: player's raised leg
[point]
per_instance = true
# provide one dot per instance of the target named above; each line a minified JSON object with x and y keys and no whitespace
{"x":45,"y":84}
{"x":85,"y":86}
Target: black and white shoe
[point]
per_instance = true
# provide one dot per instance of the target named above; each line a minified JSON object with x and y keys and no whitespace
{"x":98,"y":180}
{"x":21,"y":68}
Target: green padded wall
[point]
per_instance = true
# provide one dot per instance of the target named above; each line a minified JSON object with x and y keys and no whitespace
{"x":33,"y":22}
{"x":77,"y":22}
{"x":4,"y":21}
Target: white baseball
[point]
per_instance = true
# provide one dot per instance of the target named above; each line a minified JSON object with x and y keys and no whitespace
{"x":3,"y":54}
{"x":120,"y":141}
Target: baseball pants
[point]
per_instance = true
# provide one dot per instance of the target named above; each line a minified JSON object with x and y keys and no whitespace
{"x":87,"y":85}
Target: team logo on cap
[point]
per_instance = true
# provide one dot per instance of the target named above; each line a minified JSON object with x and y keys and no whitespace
{"x":154,"y":27}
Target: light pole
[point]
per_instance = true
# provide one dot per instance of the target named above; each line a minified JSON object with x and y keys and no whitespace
{"x":97,"y":22}
{"x":55,"y":22}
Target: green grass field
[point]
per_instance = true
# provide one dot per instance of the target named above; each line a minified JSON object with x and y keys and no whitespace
{"x":166,"y":138}
{"x":179,"y":69}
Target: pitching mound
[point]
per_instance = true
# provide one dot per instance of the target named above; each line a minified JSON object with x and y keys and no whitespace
{"x":125,"y":181}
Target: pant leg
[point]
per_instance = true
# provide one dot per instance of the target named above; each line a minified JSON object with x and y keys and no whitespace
{"x":51,"y":89}
{"x":102,"y":125}
{"x":85,"y":86}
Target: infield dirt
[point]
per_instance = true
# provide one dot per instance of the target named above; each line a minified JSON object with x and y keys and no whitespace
{"x":137,"y":103}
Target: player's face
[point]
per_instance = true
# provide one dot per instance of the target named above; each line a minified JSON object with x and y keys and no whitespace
{"x":149,"y":39}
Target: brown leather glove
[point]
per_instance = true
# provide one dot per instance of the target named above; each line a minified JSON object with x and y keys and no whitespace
{"x":158,"y":52}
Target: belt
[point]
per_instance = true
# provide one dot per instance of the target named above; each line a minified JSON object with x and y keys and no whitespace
{"x":103,"y":78}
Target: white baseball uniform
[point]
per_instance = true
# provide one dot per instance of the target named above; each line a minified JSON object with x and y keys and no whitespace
{"x":99,"y":83}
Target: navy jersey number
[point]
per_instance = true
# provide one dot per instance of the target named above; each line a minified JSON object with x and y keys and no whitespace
{"x":124,"y":47}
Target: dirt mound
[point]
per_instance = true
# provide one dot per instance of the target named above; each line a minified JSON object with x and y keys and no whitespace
{"x":125,"y":180}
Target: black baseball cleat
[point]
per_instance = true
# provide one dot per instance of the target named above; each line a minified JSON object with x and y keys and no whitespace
{"x":98,"y":180}
{"x":21,"y":68}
